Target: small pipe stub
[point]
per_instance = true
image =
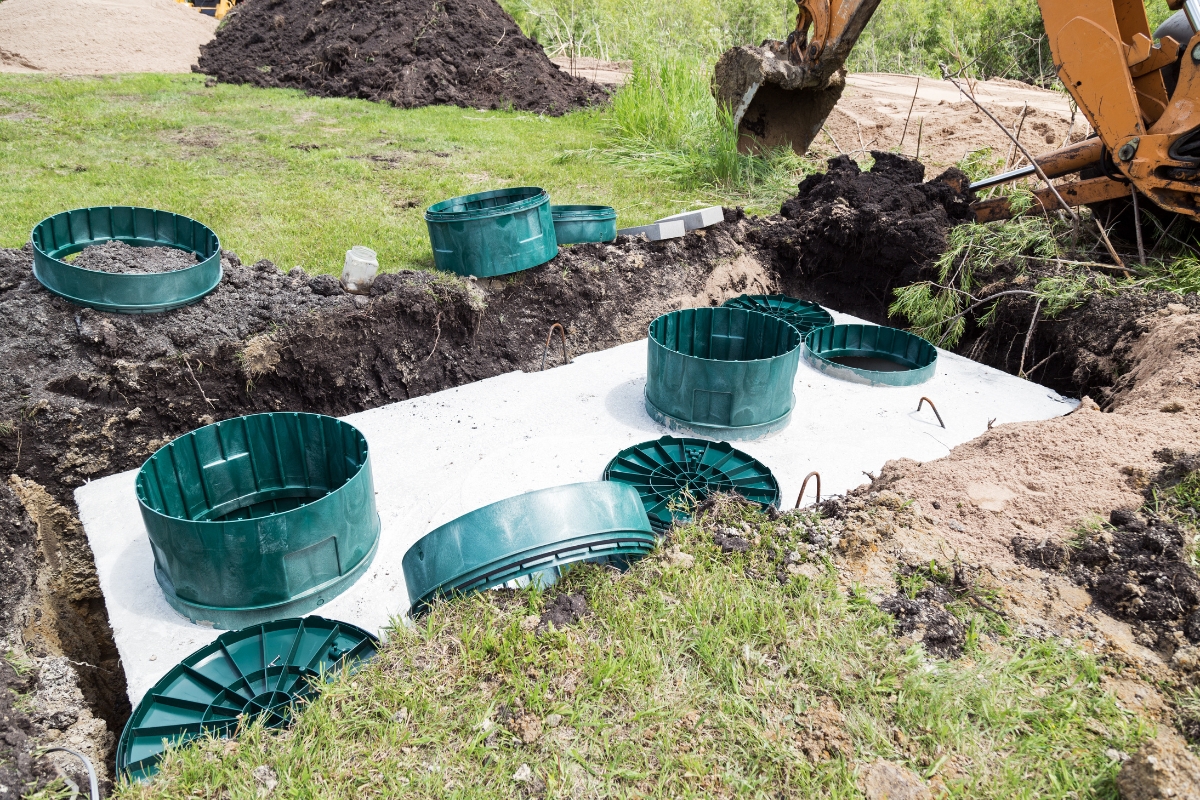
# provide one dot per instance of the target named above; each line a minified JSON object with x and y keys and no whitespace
{"x":532,"y":536}
{"x":802,"y":315}
{"x":670,"y":471}
{"x":69,"y":232}
{"x":724,"y":373}
{"x":262,"y":671}
{"x":870,"y":354}
{"x":260,"y":517}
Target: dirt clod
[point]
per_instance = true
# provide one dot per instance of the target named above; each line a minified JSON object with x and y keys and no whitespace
{"x":1162,"y":768}
{"x":564,"y":610}
{"x":924,"y":618}
{"x":409,"y":53}
{"x":119,"y":257}
{"x":884,"y":780}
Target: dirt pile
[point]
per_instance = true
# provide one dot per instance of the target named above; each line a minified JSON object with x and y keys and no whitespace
{"x":409,"y":53}
{"x":849,"y":237}
{"x":119,"y":257}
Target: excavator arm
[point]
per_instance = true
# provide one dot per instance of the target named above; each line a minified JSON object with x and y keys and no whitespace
{"x":1140,"y":92}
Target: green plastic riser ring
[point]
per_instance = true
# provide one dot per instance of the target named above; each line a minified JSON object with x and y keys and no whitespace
{"x":578,"y":224}
{"x":492,"y":233}
{"x":725,"y":373}
{"x":532,"y":533}
{"x":260,"y":517}
{"x":669,"y":468}
{"x":69,"y":232}
{"x":262,"y":671}
{"x":802,"y":315}
{"x":870,"y":354}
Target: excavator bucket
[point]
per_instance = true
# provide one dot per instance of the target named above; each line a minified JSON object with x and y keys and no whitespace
{"x":781,"y":93}
{"x":768,"y":99}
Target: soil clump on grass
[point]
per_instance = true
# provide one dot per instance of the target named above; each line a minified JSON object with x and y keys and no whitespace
{"x":118,"y":257}
{"x":468,"y":53}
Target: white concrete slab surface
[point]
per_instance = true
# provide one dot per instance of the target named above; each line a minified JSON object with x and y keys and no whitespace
{"x":440,"y":456}
{"x":700,"y":218}
{"x":657,"y":231}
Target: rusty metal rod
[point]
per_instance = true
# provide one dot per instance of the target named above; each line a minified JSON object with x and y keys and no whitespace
{"x":804,"y":486}
{"x":925,"y":400}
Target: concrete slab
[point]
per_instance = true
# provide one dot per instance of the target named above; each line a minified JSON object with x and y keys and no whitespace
{"x":657,"y":231}
{"x":440,"y":456}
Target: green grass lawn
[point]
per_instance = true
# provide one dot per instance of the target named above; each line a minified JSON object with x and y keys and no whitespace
{"x":699,"y":675}
{"x":279,"y":175}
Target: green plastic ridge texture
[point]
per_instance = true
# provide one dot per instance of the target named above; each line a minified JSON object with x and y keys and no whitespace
{"x":259,"y":517}
{"x":263,"y":671}
{"x":535,"y":534}
{"x":669,"y":470}
{"x":492,"y":233}
{"x":68,"y":232}
{"x":913,"y":359}
{"x":578,"y":224}
{"x":723,"y":373}
{"x":802,"y":315}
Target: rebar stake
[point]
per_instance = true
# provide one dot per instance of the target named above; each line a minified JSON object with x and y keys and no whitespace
{"x":804,"y":486}
{"x":925,"y":400}
{"x":562,"y":335}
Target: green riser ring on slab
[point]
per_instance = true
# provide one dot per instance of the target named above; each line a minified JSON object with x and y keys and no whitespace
{"x":69,"y":232}
{"x":536,"y":532}
{"x":494,"y":233}
{"x":916,"y":355}
{"x":727,"y":373}
{"x":259,"y":517}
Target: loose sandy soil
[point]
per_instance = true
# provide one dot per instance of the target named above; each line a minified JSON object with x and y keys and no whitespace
{"x":97,"y":37}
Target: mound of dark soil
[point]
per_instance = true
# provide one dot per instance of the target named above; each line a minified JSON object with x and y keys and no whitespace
{"x":926,"y":619}
{"x":849,"y":237}
{"x":409,"y":53}
{"x":117,"y":256}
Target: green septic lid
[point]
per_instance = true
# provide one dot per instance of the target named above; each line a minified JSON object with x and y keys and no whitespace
{"x":666,"y":469}
{"x":802,"y":315}
{"x":57,"y":237}
{"x":870,"y":354}
{"x":261,"y":671}
{"x":726,"y":373}
{"x":259,"y":517}
{"x":533,"y":534}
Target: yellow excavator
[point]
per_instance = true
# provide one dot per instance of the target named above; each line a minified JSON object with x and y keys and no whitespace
{"x":213,"y":8}
{"x":1140,"y":92}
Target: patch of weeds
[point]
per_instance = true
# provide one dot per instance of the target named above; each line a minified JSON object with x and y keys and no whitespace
{"x":704,"y":676}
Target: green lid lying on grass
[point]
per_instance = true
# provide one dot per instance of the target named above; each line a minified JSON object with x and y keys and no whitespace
{"x":260,"y":517}
{"x":69,"y":232}
{"x":264,"y":671}
{"x":669,"y":471}
{"x":725,"y":373}
{"x":871,"y":354}
{"x":492,"y":233}
{"x":532,"y":535}
{"x":802,"y":315}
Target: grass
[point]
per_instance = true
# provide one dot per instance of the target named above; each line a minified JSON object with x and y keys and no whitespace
{"x":708,"y":680}
{"x":243,"y":161}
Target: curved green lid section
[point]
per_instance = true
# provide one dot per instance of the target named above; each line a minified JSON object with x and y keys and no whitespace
{"x":870,"y":354}
{"x":262,"y":671}
{"x":535,"y":532}
{"x":802,"y":315}
{"x":726,"y":373}
{"x":260,"y":517}
{"x":492,"y":233}
{"x":670,"y":469}
{"x":577,"y":224}
{"x":57,"y":237}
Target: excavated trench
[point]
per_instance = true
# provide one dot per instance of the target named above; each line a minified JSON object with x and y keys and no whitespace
{"x":86,"y":394}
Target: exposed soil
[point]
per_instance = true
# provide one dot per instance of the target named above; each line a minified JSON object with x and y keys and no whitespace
{"x":926,"y":619}
{"x":409,"y":53}
{"x":119,"y":257}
